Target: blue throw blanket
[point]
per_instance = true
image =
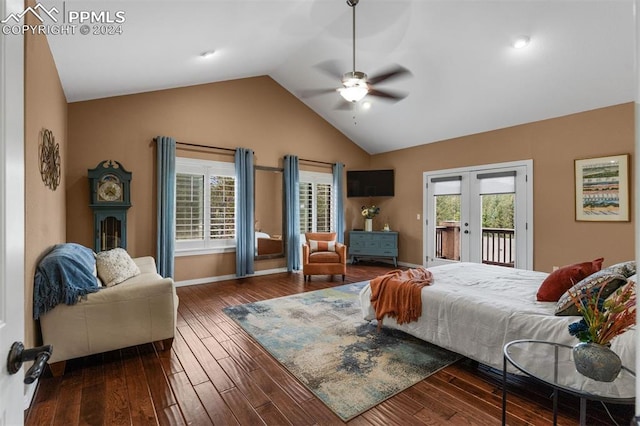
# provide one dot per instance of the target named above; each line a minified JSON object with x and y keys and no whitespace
{"x":63,"y":276}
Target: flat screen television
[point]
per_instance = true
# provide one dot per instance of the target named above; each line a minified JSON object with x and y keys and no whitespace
{"x":370,"y":183}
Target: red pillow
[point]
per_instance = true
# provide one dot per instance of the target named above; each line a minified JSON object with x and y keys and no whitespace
{"x":561,"y":280}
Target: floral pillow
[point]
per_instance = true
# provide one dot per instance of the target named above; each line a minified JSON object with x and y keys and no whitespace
{"x":561,"y":280}
{"x":322,"y":246}
{"x":115,"y":266}
{"x":610,"y":280}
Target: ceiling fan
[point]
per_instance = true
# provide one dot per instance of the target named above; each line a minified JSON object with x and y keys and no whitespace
{"x":356,"y":84}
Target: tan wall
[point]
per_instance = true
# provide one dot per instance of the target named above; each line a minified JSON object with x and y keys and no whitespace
{"x":257,"y":113}
{"x":553,"y":145}
{"x":254,"y":113}
{"x":45,"y":212}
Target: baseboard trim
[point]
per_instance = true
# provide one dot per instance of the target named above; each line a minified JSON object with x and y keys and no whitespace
{"x":207,"y":280}
{"x":409,"y":265}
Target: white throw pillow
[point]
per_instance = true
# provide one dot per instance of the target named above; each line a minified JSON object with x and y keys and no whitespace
{"x":115,"y":266}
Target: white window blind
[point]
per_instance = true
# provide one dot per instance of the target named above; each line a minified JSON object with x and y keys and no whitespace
{"x":205,"y":205}
{"x":317,"y":206}
{"x":497,"y":182}
{"x":223,"y":207}
{"x":189,"y":207}
{"x":323,"y":208}
{"x":449,"y":185}
{"x":306,"y":207}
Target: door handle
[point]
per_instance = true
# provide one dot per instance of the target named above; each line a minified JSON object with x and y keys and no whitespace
{"x":18,"y":355}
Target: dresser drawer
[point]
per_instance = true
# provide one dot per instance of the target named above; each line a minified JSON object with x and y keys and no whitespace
{"x":388,"y":244}
{"x":373,"y":244}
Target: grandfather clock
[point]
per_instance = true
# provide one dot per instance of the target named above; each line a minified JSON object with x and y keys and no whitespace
{"x":110,"y":188}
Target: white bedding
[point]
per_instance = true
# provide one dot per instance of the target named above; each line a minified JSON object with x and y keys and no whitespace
{"x":475,"y":309}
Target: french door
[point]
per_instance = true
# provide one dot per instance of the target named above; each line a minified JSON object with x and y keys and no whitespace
{"x":480,"y":214}
{"x":12,"y":388}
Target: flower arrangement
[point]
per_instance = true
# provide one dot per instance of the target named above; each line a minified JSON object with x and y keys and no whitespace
{"x":604,"y":319}
{"x":370,"y":212}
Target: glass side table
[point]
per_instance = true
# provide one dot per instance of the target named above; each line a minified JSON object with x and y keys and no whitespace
{"x":552,"y":364}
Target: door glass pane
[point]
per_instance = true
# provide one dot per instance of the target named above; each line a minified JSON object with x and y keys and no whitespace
{"x":447,"y":225}
{"x":498,"y":231}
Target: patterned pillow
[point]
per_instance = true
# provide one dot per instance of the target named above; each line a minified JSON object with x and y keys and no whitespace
{"x":115,"y":266}
{"x":623,"y":268}
{"x":561,"y":280}
{"x":322,"y":246}
{"x":611,"y":282}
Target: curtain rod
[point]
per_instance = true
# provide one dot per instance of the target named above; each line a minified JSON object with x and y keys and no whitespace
{"x":315,"y":161}
{"x":205,"y":146}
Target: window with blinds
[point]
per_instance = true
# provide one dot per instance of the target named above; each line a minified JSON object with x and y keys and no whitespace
{"x":223,"y":207}
{"x":205,"y":205}
{"x":189,"y":207}
{"x":316,"y":202}
{"x":306,"y":207}
{"x":323,"y":208}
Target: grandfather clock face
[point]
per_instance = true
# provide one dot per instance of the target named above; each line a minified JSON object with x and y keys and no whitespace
{"x":109,"y":189}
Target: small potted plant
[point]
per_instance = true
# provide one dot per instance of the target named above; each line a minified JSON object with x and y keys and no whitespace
{"x":602,"y":320}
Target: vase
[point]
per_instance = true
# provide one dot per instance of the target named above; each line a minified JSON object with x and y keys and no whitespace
{"x":368,"y":225}
{"x":598,"y":362}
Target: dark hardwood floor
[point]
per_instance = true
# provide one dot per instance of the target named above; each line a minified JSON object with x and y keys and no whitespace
{"x":216,"y":374}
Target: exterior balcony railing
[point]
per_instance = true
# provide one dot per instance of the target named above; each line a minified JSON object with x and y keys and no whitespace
{"x":498,"y":244}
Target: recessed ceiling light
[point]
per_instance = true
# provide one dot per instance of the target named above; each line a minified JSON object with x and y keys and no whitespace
{"x":366,"y":105}
{"x":207,"y":54}
{"x":521,"y":42}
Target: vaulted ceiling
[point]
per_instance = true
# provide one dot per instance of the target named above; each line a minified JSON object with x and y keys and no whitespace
{"x":466,"y":77}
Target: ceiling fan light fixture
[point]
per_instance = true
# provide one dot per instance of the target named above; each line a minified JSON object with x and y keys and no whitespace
{"x":355,"y":86}
{"x":521,"y":42}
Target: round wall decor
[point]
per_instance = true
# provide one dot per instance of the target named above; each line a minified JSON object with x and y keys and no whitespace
{"x":49,"y":160}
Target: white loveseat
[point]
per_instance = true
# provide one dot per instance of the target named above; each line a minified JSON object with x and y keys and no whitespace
{"x":142,"y":309}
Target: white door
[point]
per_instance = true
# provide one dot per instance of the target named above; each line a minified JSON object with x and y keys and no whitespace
{"x":480,"y":214}
{"x":11,"y":215}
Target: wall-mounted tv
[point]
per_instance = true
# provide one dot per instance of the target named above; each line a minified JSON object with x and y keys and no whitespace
{"x":370,"y":183}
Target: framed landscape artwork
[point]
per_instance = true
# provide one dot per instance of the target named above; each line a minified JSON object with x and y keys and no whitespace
{"x":602,"y":189}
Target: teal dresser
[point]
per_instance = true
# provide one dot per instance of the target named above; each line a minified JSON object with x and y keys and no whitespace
{"x":378,"y":244}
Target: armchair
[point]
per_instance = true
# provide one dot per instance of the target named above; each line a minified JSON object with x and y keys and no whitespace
{"x":322,"y":255}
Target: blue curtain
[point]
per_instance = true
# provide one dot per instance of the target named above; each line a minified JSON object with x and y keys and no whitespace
{"x":292,"y":211}
{"x":338,"y":185}
{"x":244,"y":212}
{"x":165,"y":247}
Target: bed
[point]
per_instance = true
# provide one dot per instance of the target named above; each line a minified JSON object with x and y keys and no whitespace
{"x":475,"y":309}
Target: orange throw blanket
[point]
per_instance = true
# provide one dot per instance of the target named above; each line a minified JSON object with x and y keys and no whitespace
{"x":397,"y":294}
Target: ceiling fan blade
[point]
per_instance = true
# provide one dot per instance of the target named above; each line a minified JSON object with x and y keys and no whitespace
{"x":316,"y":92}
{"x":332,"y":68}
{"x":385,"y":94}
{"x":394,"y":72}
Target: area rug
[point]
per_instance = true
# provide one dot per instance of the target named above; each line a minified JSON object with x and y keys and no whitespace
{"x":321,"y":338}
